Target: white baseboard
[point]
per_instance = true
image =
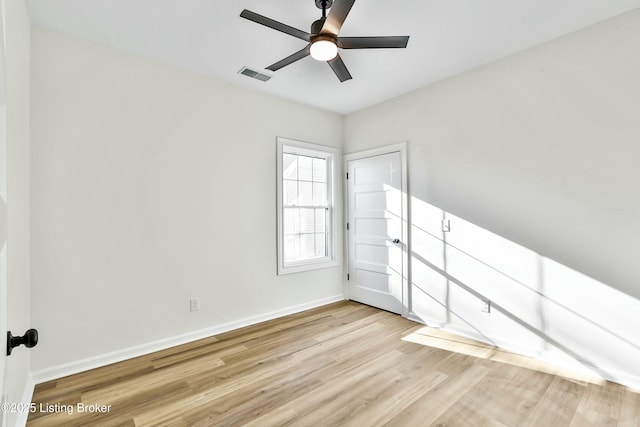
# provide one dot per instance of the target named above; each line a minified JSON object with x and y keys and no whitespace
{"x":425,"y":320}
{"x":82,"y":365}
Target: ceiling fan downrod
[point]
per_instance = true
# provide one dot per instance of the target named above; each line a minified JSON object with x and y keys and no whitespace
{"x":324,"y":5}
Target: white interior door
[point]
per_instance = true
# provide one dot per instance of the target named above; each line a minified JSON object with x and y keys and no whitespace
{"x":375,"y":230}
{"x":3,"y":263}
{"x":3,"y":227}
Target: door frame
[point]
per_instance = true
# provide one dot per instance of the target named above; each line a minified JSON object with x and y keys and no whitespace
{"x":406,"y":244}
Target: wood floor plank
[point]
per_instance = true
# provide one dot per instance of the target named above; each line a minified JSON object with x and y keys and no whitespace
{"x":310,"y":409}
{"x":561,"y":400}
{"x":505,"y":396}
{"x":344,"y":364}
{"x":412,"y":378}
{"x":439,"y":399}
{"x":629,"y":409}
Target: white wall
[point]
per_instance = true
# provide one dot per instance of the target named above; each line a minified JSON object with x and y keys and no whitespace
{"x":542,"y":149}
{"x":17,"y":63}
{"x":151,"y":185}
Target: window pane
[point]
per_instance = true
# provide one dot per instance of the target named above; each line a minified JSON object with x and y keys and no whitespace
{"x":290,"y":192}
{"x":319,"y":193}
{"x":305,"y":168}
{"x":307,"y":245}
{"x":321,"y":244}
{"x":291,"y":221}
{"x":289,"y":166}
{"x":320,"y":220}
{"x":307,"y":221}
{"x":305,"y":197}
{"x":292,"y":247}
{"x":319,"y":170}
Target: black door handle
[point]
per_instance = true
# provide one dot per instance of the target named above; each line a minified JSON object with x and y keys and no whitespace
{"x":396,"y":241}
{"x":29,"y":339}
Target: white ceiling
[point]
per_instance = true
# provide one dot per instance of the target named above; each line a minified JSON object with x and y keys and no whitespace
{"x":208,"y":36}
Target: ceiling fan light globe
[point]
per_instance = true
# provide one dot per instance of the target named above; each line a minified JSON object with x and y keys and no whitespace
{"x":324,"y":50}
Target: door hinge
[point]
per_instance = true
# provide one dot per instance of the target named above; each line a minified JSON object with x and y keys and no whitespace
{"x":347,"y":175}
{"x":347,"y":226}
{"x":347,"y":276}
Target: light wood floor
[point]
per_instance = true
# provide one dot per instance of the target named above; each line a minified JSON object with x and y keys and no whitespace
{"x":343,"y":364}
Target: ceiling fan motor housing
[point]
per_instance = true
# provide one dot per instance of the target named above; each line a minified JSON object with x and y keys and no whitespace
{"x":316,"y":27}
{"x":328,"y":37}
{"x":316,"y":36}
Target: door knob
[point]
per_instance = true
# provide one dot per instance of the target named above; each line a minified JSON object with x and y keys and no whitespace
{"x":396,"y":241}
{"x":29,"y":339}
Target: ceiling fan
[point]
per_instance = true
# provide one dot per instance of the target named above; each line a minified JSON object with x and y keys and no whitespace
{"x":323,"y":40}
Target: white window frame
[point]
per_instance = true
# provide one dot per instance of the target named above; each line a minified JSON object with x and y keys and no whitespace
{"x":285,"y":145}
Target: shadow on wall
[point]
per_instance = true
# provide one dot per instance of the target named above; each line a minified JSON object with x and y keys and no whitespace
{"x":537,"y":306}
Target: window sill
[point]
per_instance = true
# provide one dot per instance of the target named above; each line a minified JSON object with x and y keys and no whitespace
{"x":307,"y":266}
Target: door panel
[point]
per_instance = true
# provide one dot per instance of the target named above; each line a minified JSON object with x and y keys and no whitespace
{"x":374,"y":203}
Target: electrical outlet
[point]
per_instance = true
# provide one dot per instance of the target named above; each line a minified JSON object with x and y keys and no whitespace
{"x":486,"y":306}
{"x":194,"y":304}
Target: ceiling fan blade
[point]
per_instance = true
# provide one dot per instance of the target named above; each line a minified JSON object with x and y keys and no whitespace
{"x":290,"y":59}
{"x":373,"y":42}
{"x":268,"y":22}
{"x":338,"y":67}
{"x":337,"y":14}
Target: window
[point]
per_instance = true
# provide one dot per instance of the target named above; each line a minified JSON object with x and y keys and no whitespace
{"x":306,"y":214}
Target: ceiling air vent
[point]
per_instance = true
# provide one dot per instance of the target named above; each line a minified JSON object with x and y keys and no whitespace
{"x":254,"y":74}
